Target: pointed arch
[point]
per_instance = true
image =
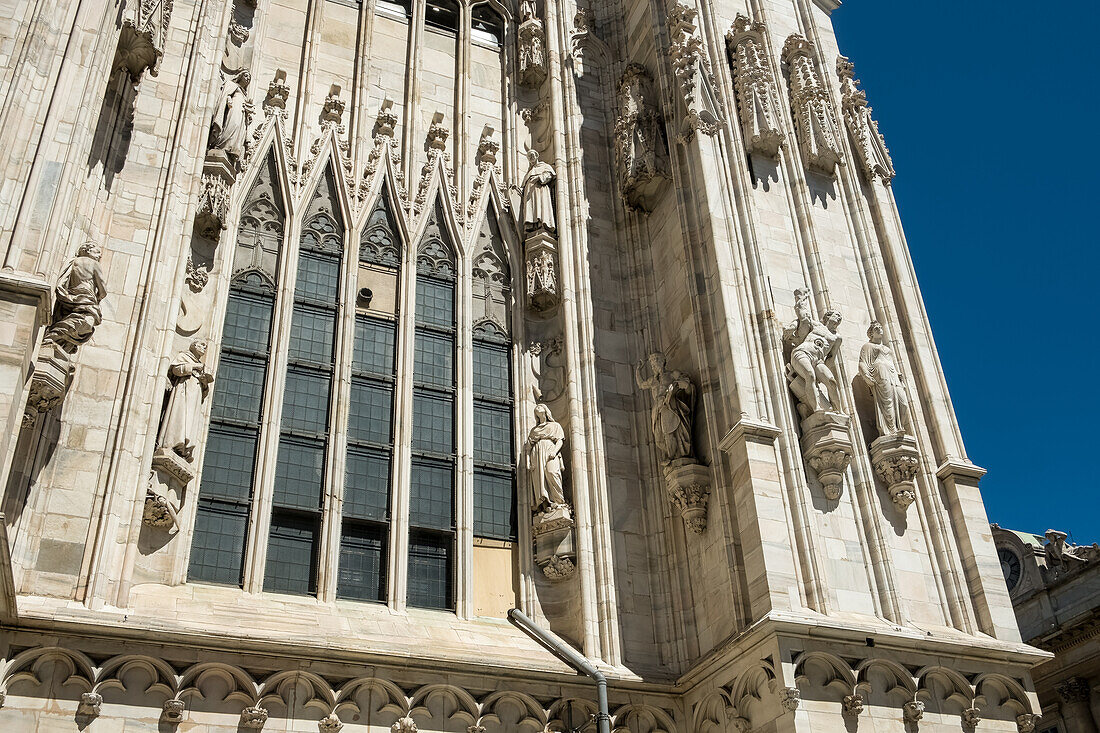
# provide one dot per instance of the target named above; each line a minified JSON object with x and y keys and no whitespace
{"x":381,"y":242}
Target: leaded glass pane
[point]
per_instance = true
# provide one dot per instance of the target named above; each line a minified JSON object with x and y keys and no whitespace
{"x":430,"y":570}
{"x":239,"y":389}
{"x":374,"y":339}
{"x":362,"y":573}
{"x":367,"y":483}
{"x":492,"y":433}
{"x":318,"y":277}
{"x":433,"y":422}
{"x":494,"y":504}
{"x":371,"y":411}
{"x":431,"y":501}
{"x":492,"y":370}
{"x":217,"y":544}
{"x":311,"y":331}
{"x":434,"y":358}
{"x":228,"y":463}
{"x":291,"y":559}
{"x":299,"y":472}
{"x":435,"y":302}
{"x":247,"y":322}
{"x":305,"y":401}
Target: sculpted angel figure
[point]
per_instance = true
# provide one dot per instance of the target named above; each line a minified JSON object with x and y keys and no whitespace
{"x":79,"y":291}
{"x":544,"y":462}
{"x":877,"y":367}
{"x":229,"y":129}
{"x":809,"y":372}
{"x":538,"y":202}
{"x":673,"y":408}
{"x":190,"y":383}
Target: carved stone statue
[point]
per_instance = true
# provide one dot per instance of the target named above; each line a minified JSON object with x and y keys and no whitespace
{"x":641,"y":149}
{"x":809,"y":372}
{"x":190,"y":385}
{"x":877,"y":367}
{"x":1061,"y":556}
{"x":229,"y":129}
{"x":544,"y":462}
{"x":79,"y":291}
{"x":538,"y":201}
{"x":673,"y":408}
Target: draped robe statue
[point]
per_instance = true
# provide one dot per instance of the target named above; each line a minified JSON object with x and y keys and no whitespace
{"x":79,"y":291}
{"x":183,"y":417}
{"x":229,"y":129}
{"x":538,"y":202}
{"x":673,"y":408}
{"x":877,"y":367}
{"x":544,"y":462}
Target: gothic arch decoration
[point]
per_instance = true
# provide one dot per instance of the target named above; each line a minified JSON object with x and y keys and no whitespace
{"x":384,"y":160}
{"x":491,"y":275}
{"x":885,"y":677}
{"x":323,"y":230}
{"x":512,"y":711}
{"x":436,"y":175}
{"x":378,"y":695}
{"x":712,"y":714}
{"x":443,"y":704}
{"x":296,"y":690}
{"x":435,"y":256}
{"x":568,"y":714}
{"x":638,"y":718}
{"x":380,"y":242}
{"x":261,"y":229}
{"x":825,"y":671}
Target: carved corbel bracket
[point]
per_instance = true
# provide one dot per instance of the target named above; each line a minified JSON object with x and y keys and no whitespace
{"x":532,"y":53}
{"x":541,"y":264}
{"x":896,"y":461}
{"x":827,"y":446}
{"x":555,"y":547}
{"x":688,"y":485}
{"x":253,"y":717}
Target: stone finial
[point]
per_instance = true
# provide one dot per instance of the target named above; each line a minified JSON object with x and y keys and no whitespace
{"x":278,"y":92}
{"x":386,"y":122}
{"x":332,"y":111}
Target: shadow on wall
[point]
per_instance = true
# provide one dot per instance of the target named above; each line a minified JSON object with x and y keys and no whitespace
{"x":114,"y":126}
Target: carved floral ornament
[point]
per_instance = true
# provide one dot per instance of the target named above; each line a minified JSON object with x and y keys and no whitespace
{"x":870,"y":147}
{"x":754,"y":82}
{"x":695,"y":81}
{"x":811,"y":107}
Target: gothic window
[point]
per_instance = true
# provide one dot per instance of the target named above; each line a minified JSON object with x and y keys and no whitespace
{"x":432,"y":492}
{"x":443,"y":14}
{"x":494,"y":474}
{"x":221,"y":521}
{"x":486,"y":25}
{"x":298,"y":500}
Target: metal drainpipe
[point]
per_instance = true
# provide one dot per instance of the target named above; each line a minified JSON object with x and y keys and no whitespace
{"x":568,"y":655}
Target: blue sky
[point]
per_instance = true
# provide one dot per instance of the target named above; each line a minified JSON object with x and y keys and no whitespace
{"x":990,"y":110}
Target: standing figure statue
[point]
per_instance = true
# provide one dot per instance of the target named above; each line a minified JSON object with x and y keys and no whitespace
{"x":877,"y":367}
{"x":526,"y":10}
{"x":809,"y":372}
{"x":190,"y":382}
{"x":229,"y":128}
{"x":79,"y":291}
{"x":538,"y":202}
{"x":673,"y":408}
{"x":544,"y":461}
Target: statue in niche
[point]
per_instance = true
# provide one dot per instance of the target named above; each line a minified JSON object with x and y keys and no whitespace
{"x":190,"y":383}
{"x":79,"y":291}
{"x":673,"y":408}
{"x":527,"y":10}
{"x":877,"y":367}
{"x":809,"y":372}
{"x":544,"y":461}
{"x":229,"y":130}
{"x":538,"y":201}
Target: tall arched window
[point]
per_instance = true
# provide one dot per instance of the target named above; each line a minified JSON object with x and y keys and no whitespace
{"x":432,"y":485}
{"x":221,"y":522}
{"x":298,"y":500}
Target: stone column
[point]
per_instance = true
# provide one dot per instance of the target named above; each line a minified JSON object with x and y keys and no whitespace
{"x":1075,"y":693}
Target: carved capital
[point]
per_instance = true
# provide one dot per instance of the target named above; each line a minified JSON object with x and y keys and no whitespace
{"x":404,"y":725}
{"x":330,"y":724}
{"x":1073,"y":690}
{"x":789,"y":698}
{"x":90,"y":705}
{"x":827,"y":447}
{"x":971,"y":717}
{"x":253,"y":717}
{"x":172,"y":711}
{"x":853,"y":705}
{"x":896,"y":461}
{"x":689,"y":490}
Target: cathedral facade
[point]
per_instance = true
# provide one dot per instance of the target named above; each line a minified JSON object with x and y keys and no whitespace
{"x":335,"y":330}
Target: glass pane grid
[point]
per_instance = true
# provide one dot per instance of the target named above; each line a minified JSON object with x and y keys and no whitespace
{"x":228,"y":463}
{"x":367,"y":484}
{"x":435,"y":302}
{"x":374,"y":346}
{"x":492,"y":433}
{"x":318,"y":277}
{"x":238,"y":389}
{"x":494,"y":504}
{"x":299,"y":473}
{"x":492,"y":371}
{"x":247,"y":322}
{"x":431,"y":500}
{"x":311,"y":333}
{"x":217,"y":546}
{"x":434,"y":356}
{"x":370,"y":416}
{"x":291,"y":554}
{"x":433,"y":422}
{"x":430,"y":573}
{"x":305,"y":401}
{"x":362,"y":572}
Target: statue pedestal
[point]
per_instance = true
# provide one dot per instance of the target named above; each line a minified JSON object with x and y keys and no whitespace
{"x":171,"y":474}
{"x":896,"y":461}
{"x":218,"y":175}
{"x":827,"y":448}
{"x":555,"y":549}
{"x":541,"y":258}
{"x":532,"y":53}
{"x":688,"y":485}
{"x":49,"y":381}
